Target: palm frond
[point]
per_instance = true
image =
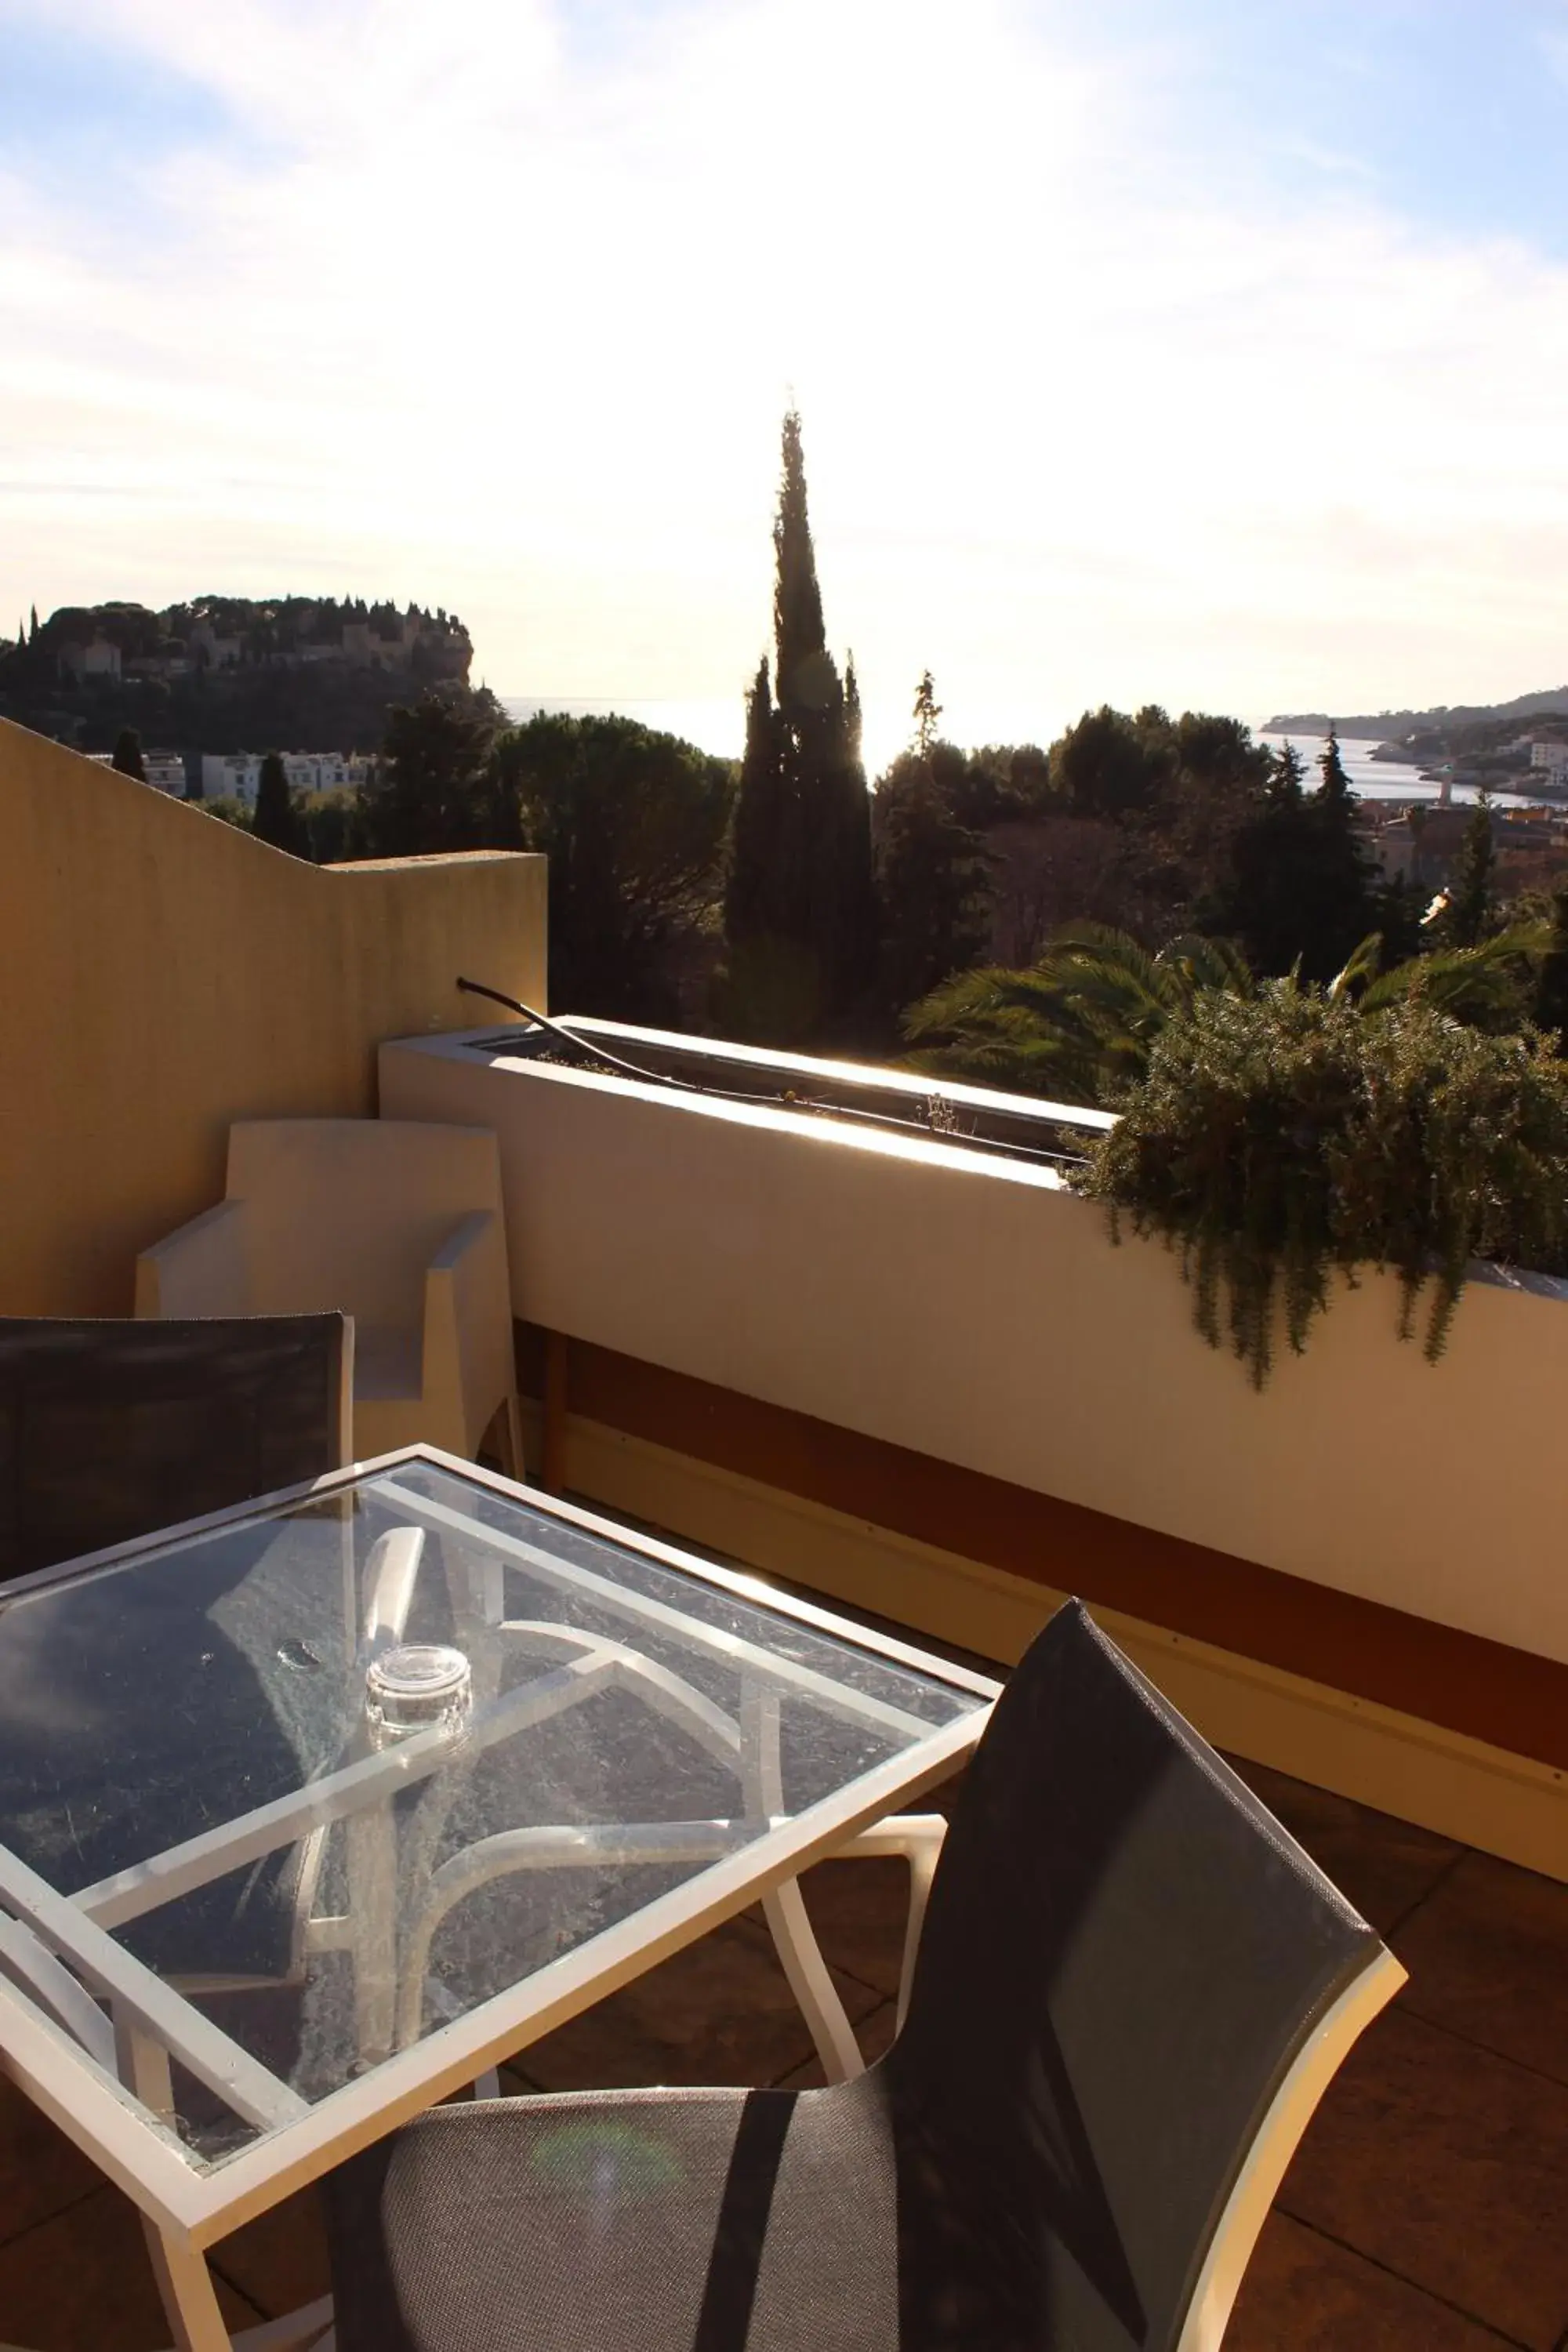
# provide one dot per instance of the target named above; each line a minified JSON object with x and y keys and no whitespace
{"x":1362,"y":966}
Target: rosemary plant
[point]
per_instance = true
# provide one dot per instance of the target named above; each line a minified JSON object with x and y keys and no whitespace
{"x":1279,"y":1138}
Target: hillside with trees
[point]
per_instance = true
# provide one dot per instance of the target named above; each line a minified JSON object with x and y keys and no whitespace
{"x":1384,"y":726}
{"x":225,"y":674}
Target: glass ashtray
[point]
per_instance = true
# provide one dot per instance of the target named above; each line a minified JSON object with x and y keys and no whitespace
{"x":417,"y":1686}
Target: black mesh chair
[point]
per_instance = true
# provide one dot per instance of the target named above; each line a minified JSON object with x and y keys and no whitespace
{"x":1131,"y":1991}
{"x":109,"y":1429}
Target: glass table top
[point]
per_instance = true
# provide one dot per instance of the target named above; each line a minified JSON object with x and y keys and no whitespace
{"x":339,"y":1770}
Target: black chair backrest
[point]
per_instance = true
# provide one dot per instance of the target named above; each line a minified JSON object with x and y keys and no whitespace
{"x":109,"y":1429}
{"x":1122,"y":1955}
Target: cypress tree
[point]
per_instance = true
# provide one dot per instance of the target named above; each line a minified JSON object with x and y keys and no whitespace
{"x":128,"y":754}
{"x":759,"y":818}
{"x":274,"y":818}
{"x":799,"y":914}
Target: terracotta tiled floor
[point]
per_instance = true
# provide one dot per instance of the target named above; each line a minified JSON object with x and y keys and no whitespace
{"x":1427,"y":2209}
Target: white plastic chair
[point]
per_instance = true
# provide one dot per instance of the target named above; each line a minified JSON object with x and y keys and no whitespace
{"x":398,"y":1223}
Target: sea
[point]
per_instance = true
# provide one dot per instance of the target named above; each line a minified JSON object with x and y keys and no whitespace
{"x":1383,"y":779}
{"x":719,"y":726}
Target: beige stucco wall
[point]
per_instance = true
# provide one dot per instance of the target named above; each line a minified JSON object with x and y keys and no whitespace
{"x":968,"y":1309}
{"x":162,"y":973}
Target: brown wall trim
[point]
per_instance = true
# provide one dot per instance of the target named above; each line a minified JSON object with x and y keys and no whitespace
{"x":1508,"y":1697}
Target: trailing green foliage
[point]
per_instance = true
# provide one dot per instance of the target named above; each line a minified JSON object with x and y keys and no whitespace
{"x":1278,"y":1138}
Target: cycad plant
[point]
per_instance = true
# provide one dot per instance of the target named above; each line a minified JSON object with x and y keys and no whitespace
{"x":1490,"y":985}
{"x":1079,"y":1025}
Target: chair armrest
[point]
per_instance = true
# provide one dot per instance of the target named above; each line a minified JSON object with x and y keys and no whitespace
{"x":468,"y":1360}
{"x":917,"y":1837}
{"x":199,"y":1269}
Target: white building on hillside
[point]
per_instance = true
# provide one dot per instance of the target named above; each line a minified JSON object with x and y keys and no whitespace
{"x":165,"y":770}
{"x":235,"y":775}
{"x":230,"y":775}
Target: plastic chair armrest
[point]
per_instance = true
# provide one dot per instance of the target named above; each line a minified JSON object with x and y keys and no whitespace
{"x":198,"y":1269}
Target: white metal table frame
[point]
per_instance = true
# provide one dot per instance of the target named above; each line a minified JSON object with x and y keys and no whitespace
{"x":88,"y":2031}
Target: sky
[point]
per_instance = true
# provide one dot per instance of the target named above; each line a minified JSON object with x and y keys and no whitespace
{"x":1211,"y":353}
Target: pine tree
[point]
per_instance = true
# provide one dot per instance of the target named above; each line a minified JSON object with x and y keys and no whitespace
{"x":1285,"y":785}
{"x":33,"y":633}
{"x":1302,"y":889}
{"x":928,"y":713}
{"x":275,"y":818}
{"x":128,"y":754}
{"x":799,"y":914}
{"x":436,"y":787}
{"x":1467,"y":918}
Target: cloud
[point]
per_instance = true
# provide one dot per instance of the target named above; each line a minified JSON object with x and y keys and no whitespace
{"x":488,"y":312}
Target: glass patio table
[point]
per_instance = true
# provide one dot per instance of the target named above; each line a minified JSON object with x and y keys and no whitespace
{"x":312,"y":1811}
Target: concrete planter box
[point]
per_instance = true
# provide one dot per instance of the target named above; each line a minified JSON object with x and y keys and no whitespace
{"x":972,"y":1308}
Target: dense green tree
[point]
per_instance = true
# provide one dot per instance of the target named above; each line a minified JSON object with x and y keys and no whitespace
{"x":932,"y":878}
{"x":634,"y":824}
{"x":1258,"y":903}
{"x":330,"y":828}
{"x":1002,"y":784}
{"x":1551,"y":1006}
{"x":128,"y":754}
{"x":275,"y":818}
{"x":799,"y":917}
{"x":1302,"y":889}
{"x":435,"y":789}
{"x":1177,"y":790}
{"x":1109,"y":765}
{"x":1468,"y":917}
